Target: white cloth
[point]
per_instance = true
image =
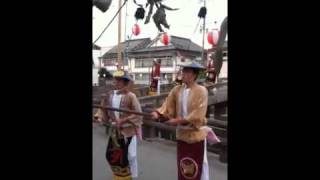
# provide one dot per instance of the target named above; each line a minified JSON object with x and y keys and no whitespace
{"x":184,"y":105}
{"x":132,"y":157}
{"x":205,"y":164}
{"x":116,"y":99}
{"x":184,"y":99}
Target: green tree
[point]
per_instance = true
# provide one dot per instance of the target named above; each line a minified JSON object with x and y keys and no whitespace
{"x":103,"y":73}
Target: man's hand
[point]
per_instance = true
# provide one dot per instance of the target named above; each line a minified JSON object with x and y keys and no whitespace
{"x":119,"y":122}
{"x":154,"y":115}
{"x":97,"y":119}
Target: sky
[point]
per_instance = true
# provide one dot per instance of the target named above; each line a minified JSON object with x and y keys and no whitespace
{"x":182,"y":22}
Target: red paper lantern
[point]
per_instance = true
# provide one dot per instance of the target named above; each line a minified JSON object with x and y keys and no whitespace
{"x":136,"y":30}
{"x":213,"y":37}
{"x":165,"y":39}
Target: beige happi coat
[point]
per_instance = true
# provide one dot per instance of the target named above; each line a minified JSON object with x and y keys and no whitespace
{"x":128,"y":101}
{"x":196,"y":107}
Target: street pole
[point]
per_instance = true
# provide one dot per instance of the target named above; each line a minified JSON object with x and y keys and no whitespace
{"x":119,"y":36}
{"x":125,"y":51}
{"x":203,"y":35}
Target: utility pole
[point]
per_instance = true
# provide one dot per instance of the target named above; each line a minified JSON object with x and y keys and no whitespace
{"x":119,"y":36}
{"x":126,"y":42}
{"x":203,"y":35}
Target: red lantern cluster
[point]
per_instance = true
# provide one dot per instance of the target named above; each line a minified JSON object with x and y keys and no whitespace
{"x":165,"y":39}
{"x":213,"y":37}
{"x":136,"y":30}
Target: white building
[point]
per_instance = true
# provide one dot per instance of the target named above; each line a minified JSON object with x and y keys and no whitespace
{"x":96,"y":52}
{"x":142,"y":52}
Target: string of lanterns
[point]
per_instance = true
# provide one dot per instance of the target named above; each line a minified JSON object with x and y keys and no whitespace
{"x":212,"y":36}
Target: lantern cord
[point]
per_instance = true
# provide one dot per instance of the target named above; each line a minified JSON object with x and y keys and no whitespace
{"x":140,"y":5}
{"x":110,"y":21}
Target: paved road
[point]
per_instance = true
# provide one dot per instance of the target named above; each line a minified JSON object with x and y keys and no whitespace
{"x":156,"y":160}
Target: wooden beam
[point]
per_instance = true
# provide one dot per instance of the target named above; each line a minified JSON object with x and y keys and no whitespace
{"x":121,"y":110}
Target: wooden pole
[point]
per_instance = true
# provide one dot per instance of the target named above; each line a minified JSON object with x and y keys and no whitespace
{"x":121,"y":110}
{"x":203,"y":35}
{"x":119,"y":36}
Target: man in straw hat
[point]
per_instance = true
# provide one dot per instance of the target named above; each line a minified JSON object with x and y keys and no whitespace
{"x":121,"y":151}
{"x":186,"y":107}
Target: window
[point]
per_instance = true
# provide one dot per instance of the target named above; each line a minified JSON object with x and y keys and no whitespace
{"x":166,"y":62}
{"x":125,"y":61}
{"x":142,"y":77}
{"x":138,"y":76}
{"x":166,"y":76}
{"x":163,"y":75}
{"x":146,"y":62}
{"x":169,"y":77}
{"x":138,"y":63}
{"x":109,"y":62}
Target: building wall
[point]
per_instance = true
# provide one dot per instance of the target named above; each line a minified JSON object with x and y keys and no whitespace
{"x":138,"y":71}
{"x":141,"y":75}
{"x":95,"y":55}
{"x":95,"y":75}
{"x":111,"y":69}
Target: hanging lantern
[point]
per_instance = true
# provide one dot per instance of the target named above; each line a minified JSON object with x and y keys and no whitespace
{"x":165,"y":39}
{"x":139,"y":14}
{"x":202,"y":12}
{"x":136,"y":30}
{"x":213,"y":37}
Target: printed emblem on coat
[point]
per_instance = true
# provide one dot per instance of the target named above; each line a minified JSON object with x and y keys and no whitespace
{"x":188,"y":168}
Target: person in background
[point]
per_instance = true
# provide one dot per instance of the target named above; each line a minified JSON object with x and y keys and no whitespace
{"x":125,"y":128}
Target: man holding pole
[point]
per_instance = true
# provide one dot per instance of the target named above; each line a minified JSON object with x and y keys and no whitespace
{"x":186,"y":107}
{"x":121,"y":151}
